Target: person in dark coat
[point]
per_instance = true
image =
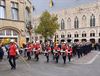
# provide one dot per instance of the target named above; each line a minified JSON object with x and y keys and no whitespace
{"x":1,"y":53}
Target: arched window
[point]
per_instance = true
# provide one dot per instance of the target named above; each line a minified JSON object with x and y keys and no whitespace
{"x":62,"y":36}
{"x":76,"y":34}
{"x":76,"y":23}
{"x":92,"y":20}
{"x":92,"y":34}
{"x":62,"y":24}
{"x":69,"y":23}
{"x":83,"y":34}
{"x":84,"y":21}
{"x":69,"y":35}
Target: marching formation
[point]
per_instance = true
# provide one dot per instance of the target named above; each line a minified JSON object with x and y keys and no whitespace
{"x":54,"y":50}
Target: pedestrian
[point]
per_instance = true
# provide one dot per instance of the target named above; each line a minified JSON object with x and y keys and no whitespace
{"x":47,"y":51}
{"x":24,"y":50}
{"x":29,"y":50}
{"x":37,"y":50}
{"x":56,"y":52}
{"x":12,"y":54}
{"x":1,"y":53}
{"x":69,"y":53}
{"x":63,"y":51}
{"x":78,"y":49}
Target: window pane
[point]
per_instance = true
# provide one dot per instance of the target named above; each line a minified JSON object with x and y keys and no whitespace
{"x":14,"y":14}
{"x":8,"y":32}
{"x":2,"y":12}
{"x":15,"y":33}
{"x":16,"y":5}
{"x":2,"y":32}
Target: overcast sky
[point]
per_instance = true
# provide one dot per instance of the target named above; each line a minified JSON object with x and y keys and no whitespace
{"x":41,"y":5}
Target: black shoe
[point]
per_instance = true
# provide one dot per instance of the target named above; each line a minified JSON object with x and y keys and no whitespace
{"x":12,"y":68}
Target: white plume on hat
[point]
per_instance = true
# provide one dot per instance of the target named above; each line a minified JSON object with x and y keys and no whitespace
{"x":12,"y":40}
{"x":37,"y":41}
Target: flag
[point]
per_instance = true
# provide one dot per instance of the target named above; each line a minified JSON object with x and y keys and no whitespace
{"x":51,"y":4}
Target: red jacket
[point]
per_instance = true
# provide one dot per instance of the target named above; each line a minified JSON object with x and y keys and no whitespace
{"x":37,"y":48}
{"x":63,"y":47}
{"x":48,"y":49}
{"x":29,"y":48}
{"x":57,"y":50}
{"x":12,"y":50}
{"x":69,"y":51}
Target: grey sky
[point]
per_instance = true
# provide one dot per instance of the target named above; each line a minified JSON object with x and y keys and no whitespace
{"x":41,"y":5}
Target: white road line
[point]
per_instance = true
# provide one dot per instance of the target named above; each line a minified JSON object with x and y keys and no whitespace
{"x":93,"y":59}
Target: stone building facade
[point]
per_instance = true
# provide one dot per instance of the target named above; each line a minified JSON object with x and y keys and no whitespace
{"x":80,"y":23}
{"x":14,"y":16}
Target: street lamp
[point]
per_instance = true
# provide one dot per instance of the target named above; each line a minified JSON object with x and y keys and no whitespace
{"x":29,"y":29}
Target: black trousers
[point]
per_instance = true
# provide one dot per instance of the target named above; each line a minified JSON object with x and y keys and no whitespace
{"x":64,"y":59}
{"x":69,"y":57}
{"x":57,"y":58}
{"x":47,"y":56}
{"x":12,"y":61}
{"x":37,"y":57}
{"x":29,"y":55}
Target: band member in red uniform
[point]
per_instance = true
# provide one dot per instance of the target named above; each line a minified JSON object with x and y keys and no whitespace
{"x":69,"y":53}
{"x":56,"y":52}
{"x":37,"y":50}
{"x":29,"y":50}
{"x":47,"y":51}
{"x":12,"y":54}
{"x":63,"y":51}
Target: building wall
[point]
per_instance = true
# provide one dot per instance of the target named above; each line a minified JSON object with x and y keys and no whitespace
{"x":16,"y":25}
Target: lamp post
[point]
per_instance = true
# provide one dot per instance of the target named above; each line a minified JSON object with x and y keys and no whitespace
{"x":29,"y":30}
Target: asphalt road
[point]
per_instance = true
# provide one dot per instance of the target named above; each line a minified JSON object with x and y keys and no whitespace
{"x":76,"y":68}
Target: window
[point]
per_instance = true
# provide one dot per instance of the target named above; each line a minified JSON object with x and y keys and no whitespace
{"x":57,"y":36}
{"x":27,"y":14}
{"x":69,"y":23}
{"x":62,"y":36}
{"x":76,"y":35}
{"x":8,"y":32}
{"x":15,"y":33}
{"x":2,"y":32}
{"x":84,"y":24}
{"x":62,"y":24}
{"x":14,"y":10}
{"x":69,"y":35}
{"x":92,"y":21}
{"x":76,"y":23}
{"x":84,"y":34}
{"x":2,"y":8}
{"x":92,"y":34}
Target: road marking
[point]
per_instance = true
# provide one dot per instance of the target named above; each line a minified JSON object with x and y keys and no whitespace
{"x":93,"y":59}
{"x":88,"y":62}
